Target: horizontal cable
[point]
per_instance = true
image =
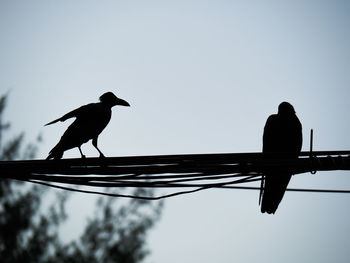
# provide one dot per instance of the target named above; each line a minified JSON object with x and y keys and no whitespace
{"x":199,"y":171}
{"x":182,"y":192}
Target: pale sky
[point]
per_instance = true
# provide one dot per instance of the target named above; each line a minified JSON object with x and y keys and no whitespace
{"x":201,"y":77}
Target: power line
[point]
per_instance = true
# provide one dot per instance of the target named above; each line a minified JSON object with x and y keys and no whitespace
{"x":333,"y":191}
{"x":192,"y":171}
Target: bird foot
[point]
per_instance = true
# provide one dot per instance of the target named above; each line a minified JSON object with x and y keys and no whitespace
{"x":103,"y":160}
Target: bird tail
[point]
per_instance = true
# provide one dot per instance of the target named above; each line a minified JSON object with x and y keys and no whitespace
{"x":55,"y":153}
{"x":52,"y":122}
{"x":273,"y":191}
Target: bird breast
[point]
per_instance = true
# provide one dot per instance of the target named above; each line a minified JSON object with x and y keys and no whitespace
{"x":99,"y":121}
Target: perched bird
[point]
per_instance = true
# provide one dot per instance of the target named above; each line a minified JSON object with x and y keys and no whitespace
{"x":90,"y":120}
{"x":282,"y":135}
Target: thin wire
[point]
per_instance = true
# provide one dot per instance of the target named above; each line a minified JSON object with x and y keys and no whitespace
{"x":121,"y":195}
{"x":132,"y":183}
{"x":223,"y":185}
{"x":330,"y":191}
{"x":203,"y":187}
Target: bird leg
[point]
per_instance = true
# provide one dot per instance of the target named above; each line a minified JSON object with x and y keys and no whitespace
{"x":94,"y":143}
{"x":82,"y":155}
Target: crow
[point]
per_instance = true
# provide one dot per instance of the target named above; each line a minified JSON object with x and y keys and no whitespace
{"x":282,"y":137}
{"x":90,"y":121}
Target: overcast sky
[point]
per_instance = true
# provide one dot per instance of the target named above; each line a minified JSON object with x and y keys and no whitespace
{"x":201,"y":77}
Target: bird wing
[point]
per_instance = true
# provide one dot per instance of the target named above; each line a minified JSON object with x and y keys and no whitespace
{"x":270,"y":134}
{"x":83,"y":110}
{"x":299,"y":135}
{"x":268,"y":146}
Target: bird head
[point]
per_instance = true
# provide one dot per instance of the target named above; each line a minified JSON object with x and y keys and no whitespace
{"x":110,"y":99}
{"x":285,"y":108}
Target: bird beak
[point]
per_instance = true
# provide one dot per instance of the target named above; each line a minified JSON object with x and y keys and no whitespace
{"x":122,"y":102}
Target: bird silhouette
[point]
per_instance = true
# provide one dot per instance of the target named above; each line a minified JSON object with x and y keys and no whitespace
{"x":282,"y":137}
{"x":90,"y":121}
